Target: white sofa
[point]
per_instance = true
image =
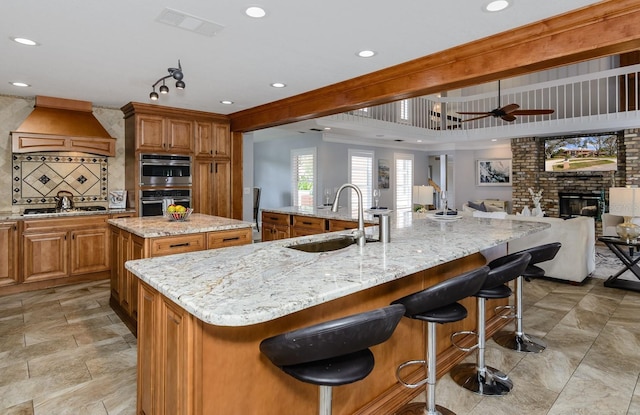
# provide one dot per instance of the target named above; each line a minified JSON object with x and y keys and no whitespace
{"x":576,"y":258}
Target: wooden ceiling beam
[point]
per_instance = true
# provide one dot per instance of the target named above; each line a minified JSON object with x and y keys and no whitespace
{"x":603,"y":29}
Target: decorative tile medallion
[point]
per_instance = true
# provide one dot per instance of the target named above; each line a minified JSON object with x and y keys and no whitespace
{"x":38,"y":177}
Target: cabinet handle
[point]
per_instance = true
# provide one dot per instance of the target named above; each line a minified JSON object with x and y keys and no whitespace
{"x":307,"y":223}
{"x":211,"y":168}
{"x":230,"y":239}
{"x":216,"y":166}
{"x":272,"y":218}
{"x":179,"y":245}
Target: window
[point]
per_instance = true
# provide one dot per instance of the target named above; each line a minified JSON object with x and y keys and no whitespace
{"x":405,"y":108}
{"x":404,"y":181}
{"x":303,"y":176}
{"x":361,"y":174}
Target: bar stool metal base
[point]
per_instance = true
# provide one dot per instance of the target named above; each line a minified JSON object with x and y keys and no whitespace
{"x":495,"y":383}
{"x":420,"y":408}
{"x":520,"y":343}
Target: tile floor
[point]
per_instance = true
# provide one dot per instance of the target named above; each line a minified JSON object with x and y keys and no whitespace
{"x":64,"y":351}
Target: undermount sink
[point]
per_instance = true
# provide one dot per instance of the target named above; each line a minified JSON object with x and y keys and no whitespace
{"x":327,"y":245}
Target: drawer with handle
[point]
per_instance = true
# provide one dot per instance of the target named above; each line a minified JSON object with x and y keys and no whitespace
{"x":309,"y":222}
{"x":177,"y":244}
{"x":233,"y":237}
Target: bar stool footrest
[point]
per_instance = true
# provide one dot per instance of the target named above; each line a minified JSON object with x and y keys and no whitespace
{"x":501,"y":308}
{"x":411,"y":363}
{"x":463,"y":333}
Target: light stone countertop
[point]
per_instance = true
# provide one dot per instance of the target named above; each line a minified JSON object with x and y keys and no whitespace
{"x":251,"y":284}
{"x":323,"y":212}
{"x":8,"y":215}
{"x":154,"y":226}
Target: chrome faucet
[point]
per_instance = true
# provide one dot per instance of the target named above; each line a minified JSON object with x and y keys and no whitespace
{"x":359,"y":234}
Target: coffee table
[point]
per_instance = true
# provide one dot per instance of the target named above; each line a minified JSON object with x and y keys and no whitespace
{"x":629,"y":254}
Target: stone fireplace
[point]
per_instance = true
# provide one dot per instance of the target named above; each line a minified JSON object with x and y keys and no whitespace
{"x":580,"y":204}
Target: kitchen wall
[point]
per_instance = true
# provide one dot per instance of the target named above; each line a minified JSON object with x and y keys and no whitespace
{"x":14,"y":110}
{"x":272,"y":172}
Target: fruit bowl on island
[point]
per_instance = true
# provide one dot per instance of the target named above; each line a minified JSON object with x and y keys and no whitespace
{"x":178,"y":216}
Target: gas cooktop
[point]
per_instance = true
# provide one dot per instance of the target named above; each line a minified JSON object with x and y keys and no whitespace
{"x":49,"y":210}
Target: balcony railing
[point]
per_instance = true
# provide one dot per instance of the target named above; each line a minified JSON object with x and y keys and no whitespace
{"x":603,"y":100}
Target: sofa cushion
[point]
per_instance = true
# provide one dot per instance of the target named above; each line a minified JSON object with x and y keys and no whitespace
{"x":477,"y":206}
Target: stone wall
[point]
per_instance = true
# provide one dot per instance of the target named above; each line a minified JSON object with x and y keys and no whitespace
{"x":528,"y":172}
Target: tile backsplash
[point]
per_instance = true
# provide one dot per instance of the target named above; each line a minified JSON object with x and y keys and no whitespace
{"x":38,"y":177}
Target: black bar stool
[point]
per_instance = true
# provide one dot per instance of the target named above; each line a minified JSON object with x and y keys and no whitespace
{"x":437,"y":304}
{"x":333,"y":353}
{"x":518,"y":340}
{"x":478,"y":377}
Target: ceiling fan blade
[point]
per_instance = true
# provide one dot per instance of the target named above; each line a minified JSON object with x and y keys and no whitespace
{"x":508,"y":117}
{"x":532,"y":112}
{"x":474,"y":113}
{"x":478,"y":118}
{"x":508,"y":109}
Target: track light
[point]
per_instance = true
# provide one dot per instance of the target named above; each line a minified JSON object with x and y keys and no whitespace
{"x":175,"y":73}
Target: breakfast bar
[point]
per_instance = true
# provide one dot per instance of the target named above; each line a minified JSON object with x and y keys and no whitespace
{"x":202,"y":315}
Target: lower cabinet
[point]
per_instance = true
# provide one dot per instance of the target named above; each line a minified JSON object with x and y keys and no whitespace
{"x":165,"y":355}
{"x":62,"y":248}
{"x":275,"y":226}
{"x":127,"y":246}
{"x":9,"y":274}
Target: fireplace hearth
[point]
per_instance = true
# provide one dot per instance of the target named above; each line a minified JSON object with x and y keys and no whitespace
{"x":580,"y":204}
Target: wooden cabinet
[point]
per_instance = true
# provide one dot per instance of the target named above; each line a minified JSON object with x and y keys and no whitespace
{"x":58,"y":248}
{"x":212,"y":187}
{"x":275,"y":226}
{"x":336,"y":225}
{"x":166,"y":369}
{"x":162,"y":134}
{"x":9,"y":251}
{"x":212,"y":139}
{"x":29,"y":143}
{"x":306,"y":225}
{"x":126,"y":246}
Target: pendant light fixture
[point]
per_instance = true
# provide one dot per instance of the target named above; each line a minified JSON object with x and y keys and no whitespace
{"x":175,"y":73}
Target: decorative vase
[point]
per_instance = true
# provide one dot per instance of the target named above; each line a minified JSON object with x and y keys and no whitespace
{"x":628,"y":230}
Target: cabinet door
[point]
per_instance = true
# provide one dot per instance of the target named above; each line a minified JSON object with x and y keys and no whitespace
{"x":180,"y":136}
{"x":203,"y":187}
{"x":124,"y":276}
{"x":151,"y":133}
{"x":274,"y":232}
{"x":45,"y":256}
{"x":89,"y":250}
{"x":147,"y":360}
{"x":222,"y":188}
{"x":9,"y":251}
{"x":204,"y":139}
{"x":138,"y":251}
{"x":175,"y":329}
{"x":222,"y":140}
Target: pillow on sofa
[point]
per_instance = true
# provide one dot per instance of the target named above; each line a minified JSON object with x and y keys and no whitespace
{"x":477,"y":206}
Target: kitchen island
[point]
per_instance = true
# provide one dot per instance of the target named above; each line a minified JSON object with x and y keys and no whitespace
{"x":154,"y":236}
{"x":202,"y":315}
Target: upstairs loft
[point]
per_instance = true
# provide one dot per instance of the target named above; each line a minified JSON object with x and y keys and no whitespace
{"x":603,"y":101}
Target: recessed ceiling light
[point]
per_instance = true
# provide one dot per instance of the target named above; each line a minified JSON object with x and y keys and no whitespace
{"x":419,"y":141}
{"x":20,"y":84}
{"x":327,"y":128}
{"x":278,"y":85}
{"x":24,"y":41}
{"x":255,"y":11}
{"x":366,"y":53}
{"x":494,"y":139}
{"x":496,"y":5}
{"x":226,"y":102}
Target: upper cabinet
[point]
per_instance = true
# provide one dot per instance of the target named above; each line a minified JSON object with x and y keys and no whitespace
{"x":161,"y":134}
{"x":212,"y":139}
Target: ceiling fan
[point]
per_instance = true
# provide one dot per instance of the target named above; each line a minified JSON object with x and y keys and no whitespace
{"x":507,"y":113}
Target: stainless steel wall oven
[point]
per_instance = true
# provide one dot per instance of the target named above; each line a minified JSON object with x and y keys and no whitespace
{"x":166,"y":170}
{"x":151,"y":199}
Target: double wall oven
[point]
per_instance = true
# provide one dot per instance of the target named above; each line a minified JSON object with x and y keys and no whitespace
{"x":164,"y":176}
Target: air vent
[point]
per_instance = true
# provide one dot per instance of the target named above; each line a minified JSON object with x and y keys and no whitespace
{"x":188,"y":22}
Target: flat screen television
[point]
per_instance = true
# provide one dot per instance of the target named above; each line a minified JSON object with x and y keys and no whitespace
{"x":596,"y":152}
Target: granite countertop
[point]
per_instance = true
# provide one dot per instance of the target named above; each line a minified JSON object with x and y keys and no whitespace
{"x":8,"y":215}
{"x":324,"y":212}
{"x":153,"y":226}
{"x":251,"y":284}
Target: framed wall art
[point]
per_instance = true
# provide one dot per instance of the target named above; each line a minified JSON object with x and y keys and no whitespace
{"x":493,"y":172}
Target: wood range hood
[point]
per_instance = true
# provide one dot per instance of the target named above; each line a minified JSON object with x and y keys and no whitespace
{"x":58,"y":124}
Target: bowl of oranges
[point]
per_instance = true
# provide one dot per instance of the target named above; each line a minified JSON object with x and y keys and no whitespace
{"x":177,"y":213}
